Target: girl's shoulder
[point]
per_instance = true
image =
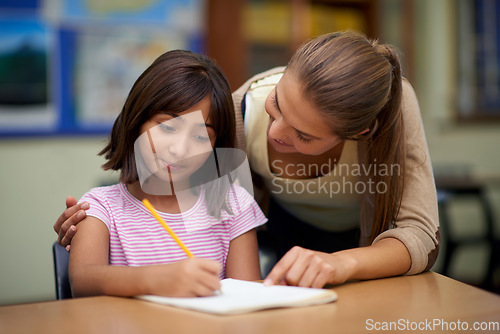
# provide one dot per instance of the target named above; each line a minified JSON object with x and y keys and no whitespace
{"x":240,"y":191}
{"x":110,"y":195}
{"x":239,"y":197}
{"x":105,"y":191}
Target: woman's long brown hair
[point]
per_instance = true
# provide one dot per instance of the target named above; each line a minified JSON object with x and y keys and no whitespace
{"x":357,"y":84}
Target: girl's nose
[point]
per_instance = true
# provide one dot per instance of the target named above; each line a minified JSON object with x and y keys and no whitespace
{"x":179,"y":147}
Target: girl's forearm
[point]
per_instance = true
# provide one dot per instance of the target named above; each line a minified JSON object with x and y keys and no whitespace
{"x":94,"y":280}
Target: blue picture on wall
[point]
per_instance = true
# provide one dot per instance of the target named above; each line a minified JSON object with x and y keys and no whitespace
{"x":25,"y":85}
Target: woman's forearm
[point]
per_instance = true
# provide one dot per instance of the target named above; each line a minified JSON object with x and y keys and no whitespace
{"x":388,"y":257}
{"x":308,"y":268}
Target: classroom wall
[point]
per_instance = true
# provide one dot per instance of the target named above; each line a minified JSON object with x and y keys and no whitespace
{"x":454,"y":147}
{"x":37,"y":174}
{"x":450,"y":143}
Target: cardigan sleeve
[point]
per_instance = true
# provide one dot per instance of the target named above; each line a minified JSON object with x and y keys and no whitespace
{"x":238,"y":96}
{"x":417,"y":225}
{"x":261,"y":194}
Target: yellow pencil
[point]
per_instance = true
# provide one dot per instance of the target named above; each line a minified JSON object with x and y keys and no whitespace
{"x":150,"y":207}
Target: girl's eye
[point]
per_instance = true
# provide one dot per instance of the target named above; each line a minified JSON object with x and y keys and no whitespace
{"x":166,"y":128}
{"x":202,"y":139}
{"x":303,"y":139}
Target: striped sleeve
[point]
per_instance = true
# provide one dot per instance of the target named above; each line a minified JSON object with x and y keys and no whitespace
{"x":247,"y":213}
{"x":98,"y":207}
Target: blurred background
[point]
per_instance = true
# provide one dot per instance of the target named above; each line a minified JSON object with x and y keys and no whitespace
{"x":67,"y":65}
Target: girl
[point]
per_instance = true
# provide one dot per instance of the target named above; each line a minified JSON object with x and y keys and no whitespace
{"x":176,"y":112}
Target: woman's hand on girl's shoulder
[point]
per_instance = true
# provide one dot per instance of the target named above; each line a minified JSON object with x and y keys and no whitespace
{"x":65,"y":225}
{"x":308,"y":268}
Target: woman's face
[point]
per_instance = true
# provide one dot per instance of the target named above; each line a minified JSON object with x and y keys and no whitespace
{"x":174,"y":146}
{"x":295,"y":125}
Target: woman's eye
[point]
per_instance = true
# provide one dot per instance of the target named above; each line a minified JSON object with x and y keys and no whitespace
{"x":303,"y":139}
{"x":274,"y":110}
{"x":273,"y":100}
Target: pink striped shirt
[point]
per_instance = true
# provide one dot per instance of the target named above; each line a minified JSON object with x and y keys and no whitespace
{"x":136,"y":238}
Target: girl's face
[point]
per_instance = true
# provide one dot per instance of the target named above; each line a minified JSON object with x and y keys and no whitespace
{"x":174,"y":146}
{"x":295,"y":125}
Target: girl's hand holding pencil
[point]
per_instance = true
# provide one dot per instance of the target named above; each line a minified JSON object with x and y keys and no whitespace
{"x":192,"y":277}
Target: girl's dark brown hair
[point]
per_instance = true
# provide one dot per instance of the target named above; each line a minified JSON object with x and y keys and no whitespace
{"x":357,"y":84}
{"x":174,"y":82}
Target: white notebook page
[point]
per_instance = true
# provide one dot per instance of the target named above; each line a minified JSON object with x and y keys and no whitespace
{"x":239,"y":296}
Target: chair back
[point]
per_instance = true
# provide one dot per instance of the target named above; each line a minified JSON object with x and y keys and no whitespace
{"x":61,"y":261}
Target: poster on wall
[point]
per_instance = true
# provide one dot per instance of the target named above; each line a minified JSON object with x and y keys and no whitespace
{"x":183,"y":15}
{"x":66,"y":66}
{"x":25,"y":80}
{"x":106,"y":45}
{"x":107,"y":63}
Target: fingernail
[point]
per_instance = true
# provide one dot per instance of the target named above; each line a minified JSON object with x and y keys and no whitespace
{"x":80,"y":214}
{"x":268,"y":282}
{"x":85,"y":205}
{"x":68,"y":247}
{"x":72,"y":228}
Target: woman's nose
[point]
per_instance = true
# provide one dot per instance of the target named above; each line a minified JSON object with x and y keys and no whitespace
{"x":279,"y":129}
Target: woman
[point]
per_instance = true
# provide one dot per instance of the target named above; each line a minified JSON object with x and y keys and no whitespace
{"x":341,"y":150}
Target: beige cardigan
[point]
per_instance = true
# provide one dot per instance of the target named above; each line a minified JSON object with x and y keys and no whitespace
{"x":417,"y":225}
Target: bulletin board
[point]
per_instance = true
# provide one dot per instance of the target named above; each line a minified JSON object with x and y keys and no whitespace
{"x":66,"y":66}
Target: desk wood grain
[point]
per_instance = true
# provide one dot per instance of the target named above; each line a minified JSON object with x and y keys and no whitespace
{"x":411,"y":300}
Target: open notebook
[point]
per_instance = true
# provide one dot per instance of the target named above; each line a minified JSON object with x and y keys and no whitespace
{"x":242,"y":296}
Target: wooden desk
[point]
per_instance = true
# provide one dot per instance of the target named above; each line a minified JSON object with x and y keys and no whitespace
{"x":409,"y":300}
